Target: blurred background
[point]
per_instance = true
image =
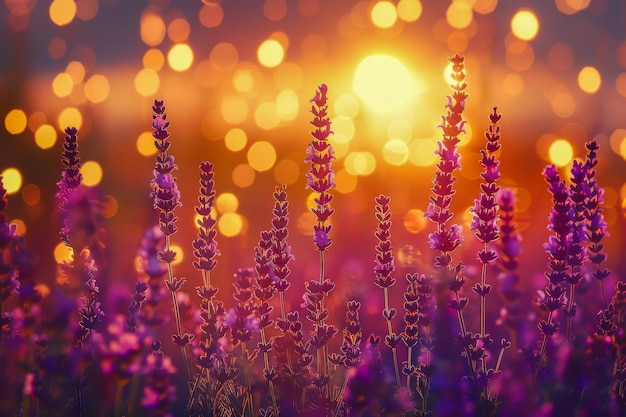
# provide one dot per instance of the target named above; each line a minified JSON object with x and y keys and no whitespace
{"x":236,"y":77}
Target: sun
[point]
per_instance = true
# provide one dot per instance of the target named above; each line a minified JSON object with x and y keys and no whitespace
{"x":384,"y":84}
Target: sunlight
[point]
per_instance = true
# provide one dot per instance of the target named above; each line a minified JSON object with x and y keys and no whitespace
{"x":384,"y":84}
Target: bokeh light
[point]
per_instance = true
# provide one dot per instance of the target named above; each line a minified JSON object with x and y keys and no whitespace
{"x":360,"y":163}
{"x":286,"y":172}
{"x":153,"y":59}
{"x":589,"y":80}
{"x":92,"y":173}
{"x":145,"y":144}
{"x":235,"y":139}
{"x":62,"y":253}
{"x":525,"y":24}
{"x":211,"y":15}
{"x":287,"y":105}
{"x":270,"y":53}
{"x":459,"y":14}
{"x":384,"y":14}
{"x":62,"y":84}
{"x":409,"y":10}
{"x":178,"y":30}
{"x":243,"y":175}
{"x":180,"y":57}
{"x":31,"y":194}
{"x":226,"y":203}
{"x":97,"y":88}
{"x":243,"y":79}
{"x":15,"y":121}
{"x":266,"y":115}
{"x":87,"y":9}
{"x":224,"y":56}
{"x":261,"y":156}
{"x":234,"y":109}
{"x":561,"y":152}
{"x":147,"y":82}
{"x":571,"y":6}
{"x":395,"y":152}
{"x":152,"y":29}
{"x":76,"y":70}
{"x":62,"y":12}
{"x":230,"y":224}
{"x":11,"y":179}
{"x":70,"y":117}
{"x":45,"y":136}
{"x":57,"y":47}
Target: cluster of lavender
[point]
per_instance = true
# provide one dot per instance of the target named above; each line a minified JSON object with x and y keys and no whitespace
{"x":259,"y":357}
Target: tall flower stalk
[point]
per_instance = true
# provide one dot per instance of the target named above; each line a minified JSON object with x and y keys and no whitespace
{"x":447,"y":238}
{"x":594,"y":215}
{"x":211,"y":309}
{"x":554,"y":297}
{"x":485,"y":210}
{"x":320,"y":179}
{"x":166,"y":199}
{"x":264,"y":292}
{"x":576,"y":238}
{"x":485,"y":228}
{"x":383,"y":270}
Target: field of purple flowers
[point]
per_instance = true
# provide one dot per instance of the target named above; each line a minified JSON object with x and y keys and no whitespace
{"x":450,"y":340}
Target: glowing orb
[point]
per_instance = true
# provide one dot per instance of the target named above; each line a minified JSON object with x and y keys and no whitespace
{"x":384,"y":83}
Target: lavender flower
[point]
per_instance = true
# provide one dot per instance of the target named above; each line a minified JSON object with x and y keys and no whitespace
{"x":485,"y":212}
{"x":557,"y":248}
{"x":321,"y":175}
{"x":447,"y":239}
{"x":594,"y":216}
{"x":164,"y":188}
{"x":166,"y":198}
{"x":320,"y":179}
{"x":205,"y":250}
{"x":264,"y":292}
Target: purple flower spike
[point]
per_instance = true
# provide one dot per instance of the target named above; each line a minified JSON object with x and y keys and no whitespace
{"x":485,"y":208}
{"x":205,"y":246}
{"x":321,"y":176}
{"x":164,"y":188}
{"x":446,"y":239}
{"x":594,"y":216}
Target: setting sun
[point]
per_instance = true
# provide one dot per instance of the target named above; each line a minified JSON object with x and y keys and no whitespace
{"x":384,"y":83}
